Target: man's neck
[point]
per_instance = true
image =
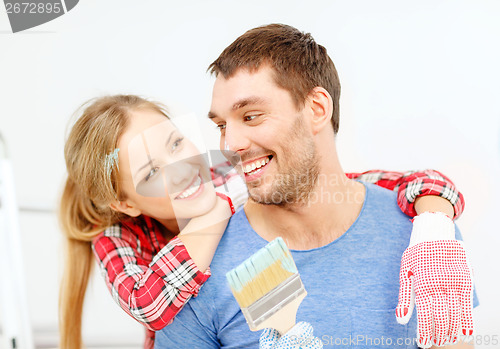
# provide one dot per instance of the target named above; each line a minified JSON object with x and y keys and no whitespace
{"x":331,"y":209}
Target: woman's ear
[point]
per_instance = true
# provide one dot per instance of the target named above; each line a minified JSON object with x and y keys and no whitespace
{"x":321,"y":106}
{"x":125,"y":207}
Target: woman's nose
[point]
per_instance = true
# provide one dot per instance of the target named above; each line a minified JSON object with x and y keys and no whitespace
{"x":178,"y":172}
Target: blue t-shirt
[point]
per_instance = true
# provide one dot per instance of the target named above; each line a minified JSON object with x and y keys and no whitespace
{"x":352,"y":285}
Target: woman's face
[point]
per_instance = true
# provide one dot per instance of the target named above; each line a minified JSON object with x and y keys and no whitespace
{"x":163,"y":174}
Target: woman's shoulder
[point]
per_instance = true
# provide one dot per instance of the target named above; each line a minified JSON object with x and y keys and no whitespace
{"x":143,"y":234}
{"x":127,"y":226}
{"x":133,"y":229}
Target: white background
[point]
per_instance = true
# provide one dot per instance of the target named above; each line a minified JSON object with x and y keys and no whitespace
{"x":420,"y":86}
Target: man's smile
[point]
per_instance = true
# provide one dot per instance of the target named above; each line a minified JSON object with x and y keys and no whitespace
{"x":255,"y":168}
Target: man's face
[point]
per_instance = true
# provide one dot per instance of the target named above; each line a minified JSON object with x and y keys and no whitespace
{"x":260,"y":122}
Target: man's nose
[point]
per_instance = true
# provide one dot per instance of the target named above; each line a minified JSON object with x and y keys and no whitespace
{"x":235,"y":138}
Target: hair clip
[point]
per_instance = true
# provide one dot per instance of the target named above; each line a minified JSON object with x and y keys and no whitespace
{"x":110,"y":160}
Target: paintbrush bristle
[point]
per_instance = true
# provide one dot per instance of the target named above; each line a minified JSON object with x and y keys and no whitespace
{"x":262,"y":272}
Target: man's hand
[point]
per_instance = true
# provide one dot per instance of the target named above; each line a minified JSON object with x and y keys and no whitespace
{"x":436,"y":277}
{"x":299,"y":336}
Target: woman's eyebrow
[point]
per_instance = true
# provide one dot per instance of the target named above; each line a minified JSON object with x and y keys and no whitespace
{"x":150,"y":160}
{"x":170,"y":137}
{"x":149,"y":163}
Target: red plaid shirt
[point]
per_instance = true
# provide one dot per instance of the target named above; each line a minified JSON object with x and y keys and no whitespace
{"x":152,"y":278}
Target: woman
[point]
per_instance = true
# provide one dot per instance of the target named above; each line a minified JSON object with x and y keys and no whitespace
{"x":134,"y":185}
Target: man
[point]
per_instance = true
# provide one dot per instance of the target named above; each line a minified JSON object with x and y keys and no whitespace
{"x":275,"y":101}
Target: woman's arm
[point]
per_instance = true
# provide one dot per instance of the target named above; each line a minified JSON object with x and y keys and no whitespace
{"x":151,"y":291}
{"x":429,"y":191}
{"x":433,"y":203}
{"x":414,"y":186}
{"x":202,"y":234}
{"x":154,"y":289}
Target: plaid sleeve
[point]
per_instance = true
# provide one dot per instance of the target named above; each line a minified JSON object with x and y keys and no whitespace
{"x":413,"y":184}
{"x":149,"y":339}
{"x":228,"y":182}
{"x":152,"y":293}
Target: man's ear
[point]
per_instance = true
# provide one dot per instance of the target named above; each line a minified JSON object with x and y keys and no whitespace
{"x":125,"y":207}
{"x":321,"y":106}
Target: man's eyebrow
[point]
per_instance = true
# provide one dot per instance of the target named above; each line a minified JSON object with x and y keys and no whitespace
{"x":240,"y":104}
{"x":248,"y":101}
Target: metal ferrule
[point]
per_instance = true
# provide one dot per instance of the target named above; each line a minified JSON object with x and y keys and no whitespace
{"x":273,"y":301}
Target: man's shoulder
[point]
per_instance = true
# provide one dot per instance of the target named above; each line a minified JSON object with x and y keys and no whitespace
{"x":238,"y":233}
{"x":381,"y":207}
{"x":238,"y":221}
{"x":379,"y":191}
{"x":382,"y":199}
{"x":239,"y":242}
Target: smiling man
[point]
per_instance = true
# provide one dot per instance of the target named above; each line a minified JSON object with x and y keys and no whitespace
{"x":276,"y":102}
{"x":261,"y":122}
{"x":276,"y":128}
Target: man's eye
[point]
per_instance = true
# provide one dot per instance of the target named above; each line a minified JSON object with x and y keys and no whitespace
{"x":152,"y":173}
{"x":177,"y":143}
{"x":221,"y":127}
{"x":249,"y":117}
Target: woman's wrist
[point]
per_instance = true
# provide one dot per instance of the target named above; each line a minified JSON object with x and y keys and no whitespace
{"x":202,"y":224}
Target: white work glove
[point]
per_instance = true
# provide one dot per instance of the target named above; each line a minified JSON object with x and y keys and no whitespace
{"x":299,"y":336}
{"x":436,"y":276}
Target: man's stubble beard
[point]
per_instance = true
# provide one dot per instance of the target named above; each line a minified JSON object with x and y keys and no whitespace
{"x":298,"y":171}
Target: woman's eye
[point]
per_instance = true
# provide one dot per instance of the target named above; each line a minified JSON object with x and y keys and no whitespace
{"x":221,"y":127}
{"x":152,"y":173}
{"x":177,"y":143}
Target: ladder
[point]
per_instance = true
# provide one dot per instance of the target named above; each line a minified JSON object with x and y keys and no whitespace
{"x":15,"y":328}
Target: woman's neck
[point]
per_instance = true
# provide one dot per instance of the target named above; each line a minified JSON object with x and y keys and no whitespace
{"x":174,"y":226}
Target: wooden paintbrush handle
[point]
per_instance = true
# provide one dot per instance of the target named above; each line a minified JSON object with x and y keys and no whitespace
{"x":285,"y":318}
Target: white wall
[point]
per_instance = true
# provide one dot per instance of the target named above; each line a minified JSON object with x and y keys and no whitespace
{"x":419,"y":90}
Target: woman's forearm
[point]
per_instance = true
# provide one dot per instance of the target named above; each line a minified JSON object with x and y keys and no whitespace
{"x":201,"y":235}
{"x":433,"y":203}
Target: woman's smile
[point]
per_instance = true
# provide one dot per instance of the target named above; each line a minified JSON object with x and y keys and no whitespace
{"x":193,"y":190}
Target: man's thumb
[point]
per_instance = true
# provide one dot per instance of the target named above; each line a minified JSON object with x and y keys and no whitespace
{"x":406,"y":302}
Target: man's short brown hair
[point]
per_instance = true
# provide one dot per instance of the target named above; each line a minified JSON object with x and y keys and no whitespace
{"x":299,"y":63}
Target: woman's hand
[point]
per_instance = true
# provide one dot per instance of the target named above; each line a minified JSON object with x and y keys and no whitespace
{"x":202,"y":234}
{"x":221,"y":212}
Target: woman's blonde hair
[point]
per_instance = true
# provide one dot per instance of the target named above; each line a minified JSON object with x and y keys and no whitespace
{"x":92,"y":184}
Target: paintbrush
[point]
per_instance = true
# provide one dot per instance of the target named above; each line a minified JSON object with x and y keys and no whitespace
{"x":268,"y":288}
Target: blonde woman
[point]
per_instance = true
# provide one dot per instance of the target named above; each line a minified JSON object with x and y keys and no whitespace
{"x":134,"y":185}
